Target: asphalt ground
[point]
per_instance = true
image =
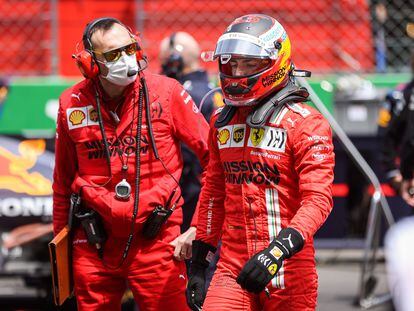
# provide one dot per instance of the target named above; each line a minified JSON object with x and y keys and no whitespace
{"x":339,"y":274}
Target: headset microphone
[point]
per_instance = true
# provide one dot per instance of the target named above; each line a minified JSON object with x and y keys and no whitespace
{"x":132,"y":72}
{"x":86,"y":59}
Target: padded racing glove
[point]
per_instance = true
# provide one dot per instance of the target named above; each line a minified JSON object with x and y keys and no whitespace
{"x":264,"y":265}
{"x":202,"y":254}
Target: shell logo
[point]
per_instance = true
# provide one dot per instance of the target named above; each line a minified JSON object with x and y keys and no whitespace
{"x":223,"y":136}
{"x":76,"y":117}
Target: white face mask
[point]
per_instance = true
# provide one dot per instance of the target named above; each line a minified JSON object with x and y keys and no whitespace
{"x":118,"y":70}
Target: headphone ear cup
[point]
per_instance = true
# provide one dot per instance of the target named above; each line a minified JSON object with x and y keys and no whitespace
{"x":86,"y":64}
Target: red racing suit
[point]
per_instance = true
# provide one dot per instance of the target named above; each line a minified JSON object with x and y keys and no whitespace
{"x":258,"y":182}
{"x":81,"y":162}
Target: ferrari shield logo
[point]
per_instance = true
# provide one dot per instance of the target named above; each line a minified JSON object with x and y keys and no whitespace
{"x":256,"y":136}
{"x":272,"y":269}
{"x":93,"y":115}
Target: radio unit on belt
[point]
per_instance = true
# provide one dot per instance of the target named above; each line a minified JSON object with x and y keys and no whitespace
{"x":158,"y":217}
{"x":91,"y":223}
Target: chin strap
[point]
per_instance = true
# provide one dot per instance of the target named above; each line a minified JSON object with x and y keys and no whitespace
{"x":291,"y":93}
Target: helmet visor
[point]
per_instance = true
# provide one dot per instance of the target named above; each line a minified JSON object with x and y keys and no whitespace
{"x":244,"y":44}
{"x":240,"y":66}
{"x":240,"y":47}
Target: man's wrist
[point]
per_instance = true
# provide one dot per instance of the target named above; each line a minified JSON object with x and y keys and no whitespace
{"x":289,"y":241}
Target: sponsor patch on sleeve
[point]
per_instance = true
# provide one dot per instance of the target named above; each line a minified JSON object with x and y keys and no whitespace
{"x":81,"y":117}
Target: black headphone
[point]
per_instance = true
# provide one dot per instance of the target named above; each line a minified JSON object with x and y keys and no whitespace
{"x":87,"y":33}
{"x":143,"y":100}
{"x":174,"y":64}
{"x":86,"y":60}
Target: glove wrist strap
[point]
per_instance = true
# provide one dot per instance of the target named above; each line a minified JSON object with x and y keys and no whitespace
{"x":290,"y":241}
{"x":203,"y":253}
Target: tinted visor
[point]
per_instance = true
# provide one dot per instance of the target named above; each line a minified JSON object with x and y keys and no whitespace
{"x":240,"y":47}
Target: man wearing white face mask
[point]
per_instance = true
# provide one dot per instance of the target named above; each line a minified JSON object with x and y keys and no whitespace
{"x":118,"y":162}
{"x":120,"y":71}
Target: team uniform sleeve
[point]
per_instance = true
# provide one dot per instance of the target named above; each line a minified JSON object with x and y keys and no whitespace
{"x":189,"y":124}
{"x":191,"y":128}
{"x":64,"y":173}
{"x":314,"y":164}
{"x":212,"y":196}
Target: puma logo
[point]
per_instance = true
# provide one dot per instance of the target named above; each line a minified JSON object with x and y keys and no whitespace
{"x":289,"y":238}
{"x":292,"y":122}
{"x":76,"y":96}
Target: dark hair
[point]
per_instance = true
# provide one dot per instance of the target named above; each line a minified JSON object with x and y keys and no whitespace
{"x":103,"y":23}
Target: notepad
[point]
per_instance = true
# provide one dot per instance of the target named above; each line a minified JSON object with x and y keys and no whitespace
{"x":60,"y":259}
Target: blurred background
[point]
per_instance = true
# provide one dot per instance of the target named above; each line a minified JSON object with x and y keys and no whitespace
{"x":357,"y":50}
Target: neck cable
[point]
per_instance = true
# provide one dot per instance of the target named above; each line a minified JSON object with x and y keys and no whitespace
{"x":143,"y":96}
{"x":137,"y":172}
{"x":151,"y":134}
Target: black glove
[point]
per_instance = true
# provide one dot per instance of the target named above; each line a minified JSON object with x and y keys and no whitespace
{"x":264,"y":265}
{"x":202,"y":255}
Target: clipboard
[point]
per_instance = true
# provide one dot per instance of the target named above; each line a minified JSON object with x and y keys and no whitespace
{"x":60,"y":260}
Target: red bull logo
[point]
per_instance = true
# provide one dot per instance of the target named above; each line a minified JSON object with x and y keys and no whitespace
{"x":16,"y":170}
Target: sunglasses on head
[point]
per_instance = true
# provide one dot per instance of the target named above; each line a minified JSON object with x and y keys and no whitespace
{"x":115,"y":54}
